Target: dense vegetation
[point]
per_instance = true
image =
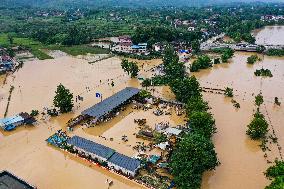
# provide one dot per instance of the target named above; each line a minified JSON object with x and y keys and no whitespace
{"x":202,"y":62}
{"x":37,"y":27}
{"x":130,"y":67}
{"x":227,"y":54}
{"x":276,"y":174}
{"x":263,"y":72}
{"x":195,"y":152}
{"x":229,"y":92}
{"x":275,"y":52}
{"x":258,"y":127}
{"x":252,"y":59}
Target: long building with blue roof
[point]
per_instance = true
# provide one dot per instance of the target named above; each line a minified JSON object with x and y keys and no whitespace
{"x":117,"y":161}
{"x":109,"y":104}
{"x":95,"y":150}
{"x":124,"y":163}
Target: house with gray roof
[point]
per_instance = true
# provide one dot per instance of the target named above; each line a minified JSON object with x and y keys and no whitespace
{"x":95,"y":150}
{"x":125,"y":164}
{"x":109,"y":104}
{"x":10,"y":181}
{"x":116,"y":161}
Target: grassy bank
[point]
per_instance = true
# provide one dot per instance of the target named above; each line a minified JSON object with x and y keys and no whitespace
{"x":78,"y":49}
{"x":36,"y":47}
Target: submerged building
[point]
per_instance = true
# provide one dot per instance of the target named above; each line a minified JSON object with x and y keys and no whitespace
{"x":104,"y":108}
{"x":95,"y":150}
{"x":10,"y":181}
{"x":125,"y":164}
{"x":11,"y":123}
{"x":119,"y":162}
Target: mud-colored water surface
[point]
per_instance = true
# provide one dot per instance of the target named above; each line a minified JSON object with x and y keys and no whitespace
{"x":242,"y":160}
{"x":271,"y":35}
{"x":25,"y":152}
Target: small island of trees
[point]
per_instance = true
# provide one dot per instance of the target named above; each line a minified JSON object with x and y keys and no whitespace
{"x":253,"y":59}
{"x":263,"y":72}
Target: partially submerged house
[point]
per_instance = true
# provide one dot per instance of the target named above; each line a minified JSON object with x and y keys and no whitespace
{"x":104,"y":108}
{"x":119,"y":162}
{"x":93,"y":149}
{"x":11,"y":123}
{"x":10,"y":181}
{"x":6,"y":63}
{"x":125,"y":164}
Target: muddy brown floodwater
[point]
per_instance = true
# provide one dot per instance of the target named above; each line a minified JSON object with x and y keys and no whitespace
{"x":242,"y":160}
{"x":271,"y":35}
{"x":25,"y":152}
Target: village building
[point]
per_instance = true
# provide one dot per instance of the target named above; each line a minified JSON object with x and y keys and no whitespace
{"x":125,"y":164}
{"x":119,"y":162}
{"x":11,"y":123}
{"x":103,"y":109}
{"x":6,"y":63}
{"x":95,"y":150}
{"x":125,"y":39}
{"x":10,"y":181}
{"x":125,"y":45}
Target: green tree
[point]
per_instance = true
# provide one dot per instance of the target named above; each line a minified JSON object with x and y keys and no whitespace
{"x":229,"y":92}
{"x":196,"y":104}
{"x":185,"y":88}
{"x":11,"y":52}
{"x":170,"y":56}
{"x":202,"y":62}
{"x":258,"y":100}
{"x":131,"y":68}
{"x":276,"y":173}
{"x":227,"y":54}
{"x":252,"y":59}
{"x":11,"y":39}
{"x":63,"y":99}
{"x":258,"y":127}
{"x":195,"y":45}
{"x":194,"y":155}
{"x":216,"y":61}
{"x":202,"y":123}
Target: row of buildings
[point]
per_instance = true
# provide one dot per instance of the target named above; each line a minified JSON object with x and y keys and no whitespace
{"x":122,"y":44}
{"x":119,"y":162}
{"x":272,"y":17}
{"x":125,"y":45}
{"x":96,"y":152}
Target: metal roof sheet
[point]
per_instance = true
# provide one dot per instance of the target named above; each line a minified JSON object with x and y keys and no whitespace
{"x":112,"y":102}
{"x":123,"y":161}
{"x":11,"y":120}
{"x":10,"y":181}
{"x":91,"y":147}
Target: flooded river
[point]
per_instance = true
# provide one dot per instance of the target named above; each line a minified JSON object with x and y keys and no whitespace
{"x":242,"y":160}
{"x":271,"y":35}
